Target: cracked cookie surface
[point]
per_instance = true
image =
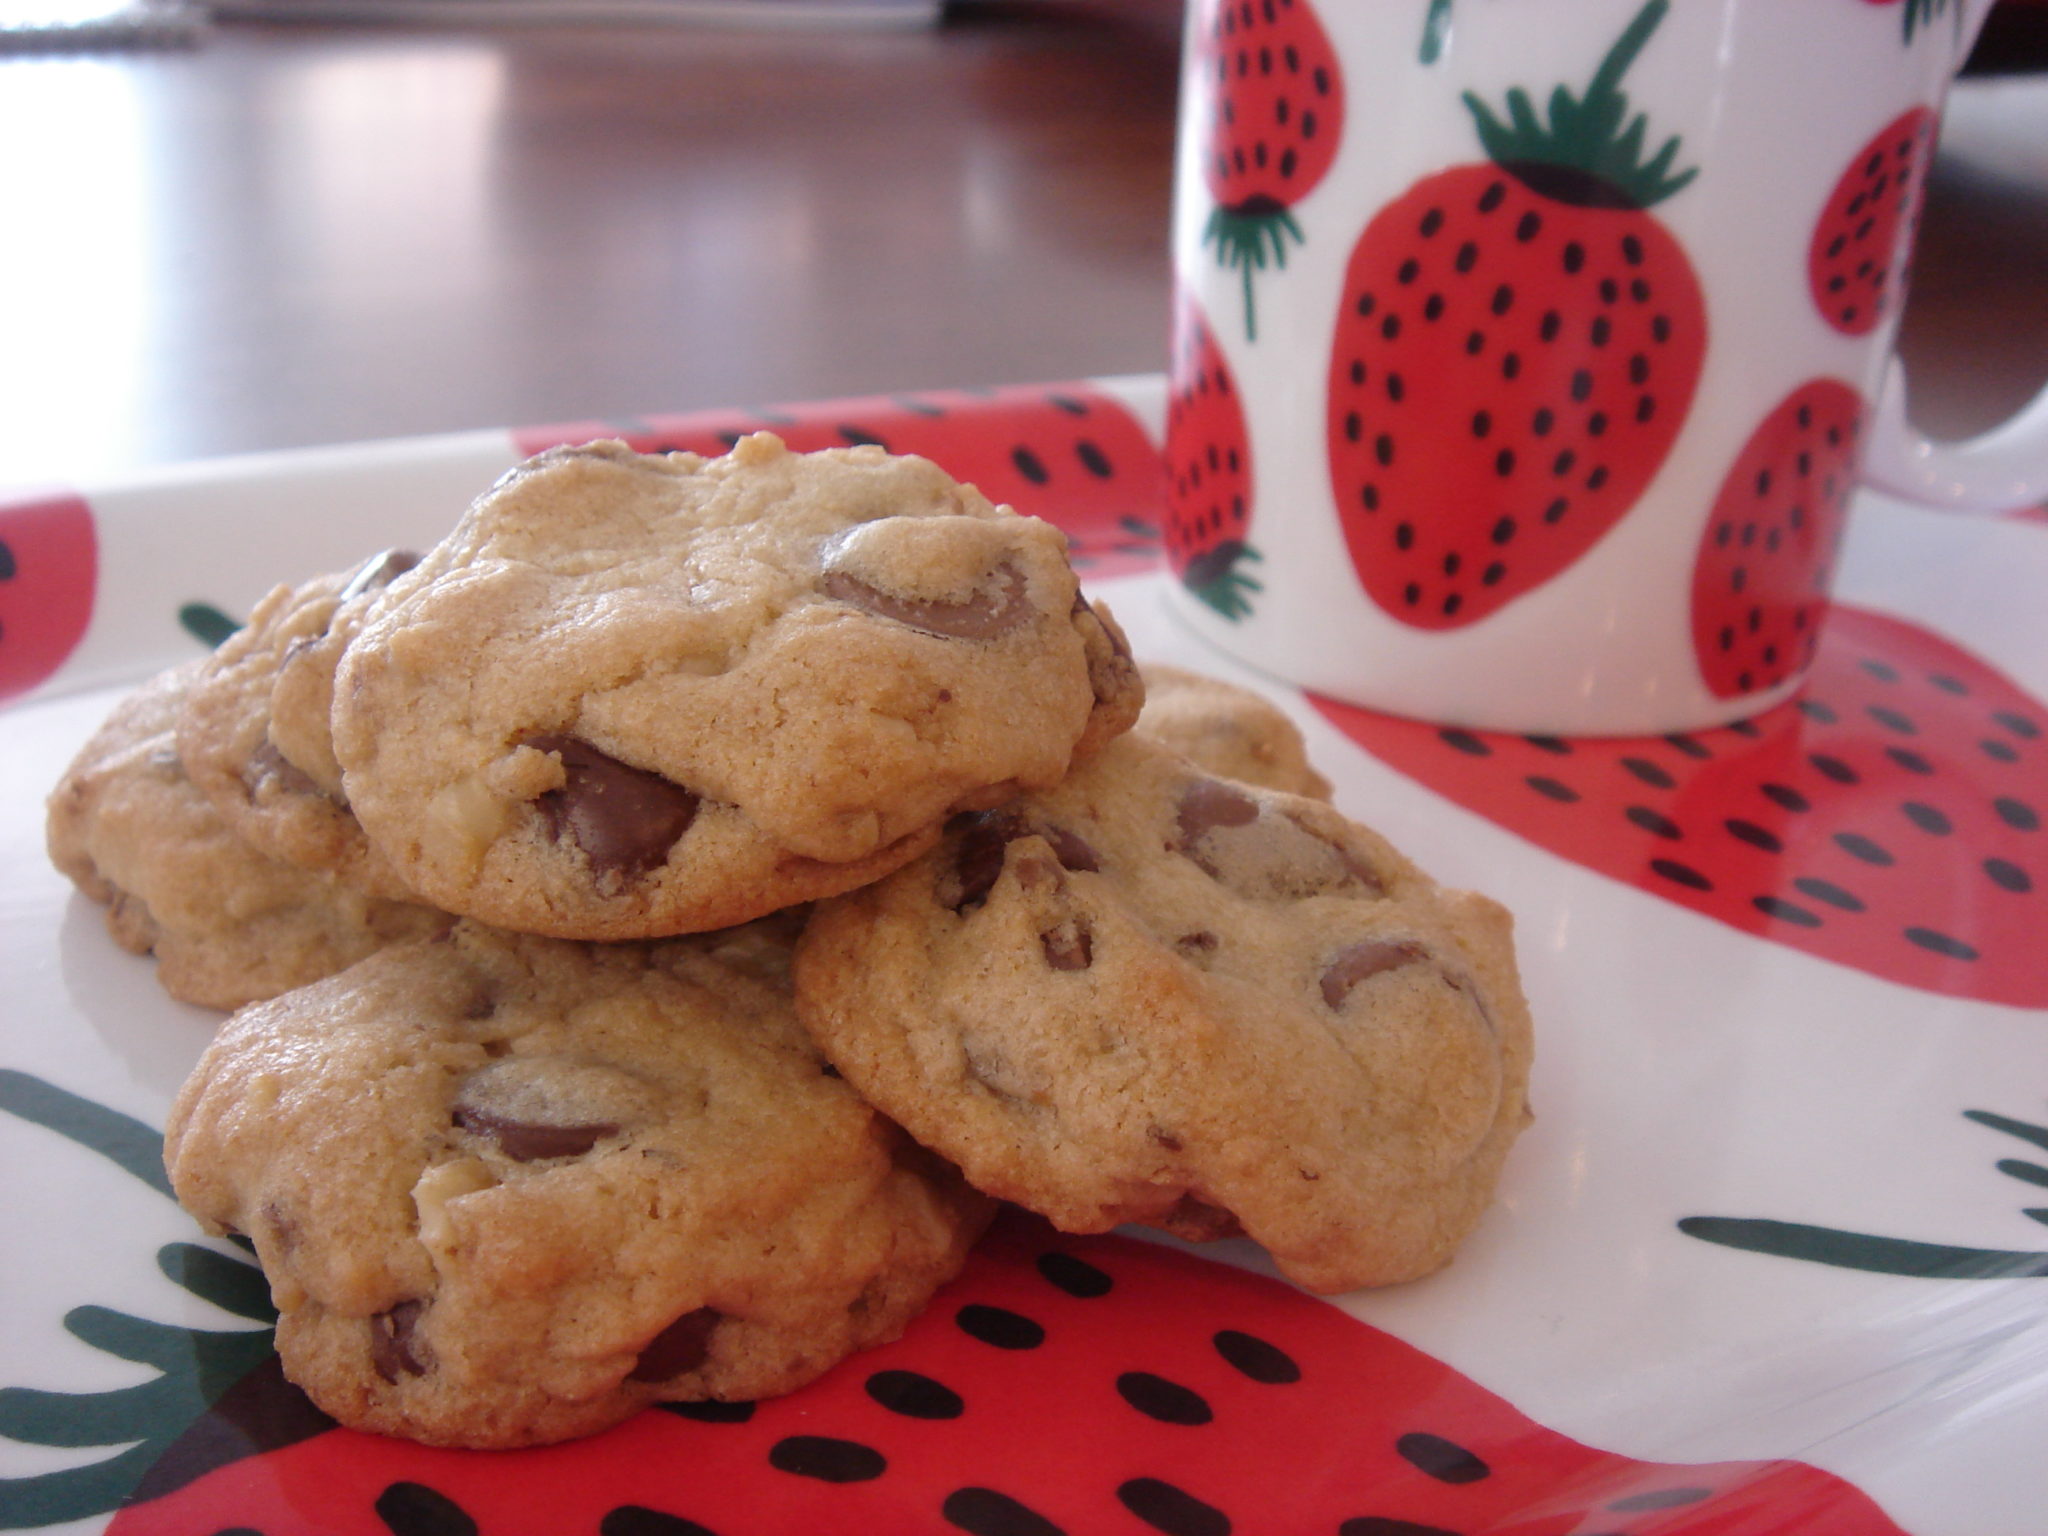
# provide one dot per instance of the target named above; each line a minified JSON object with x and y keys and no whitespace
{"x":1154,"y":995}
{"x":510,"y":1189}
{"x":639,"y":695}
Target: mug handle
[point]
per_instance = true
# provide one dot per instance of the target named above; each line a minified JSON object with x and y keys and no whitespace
{"x":2003,"y":470}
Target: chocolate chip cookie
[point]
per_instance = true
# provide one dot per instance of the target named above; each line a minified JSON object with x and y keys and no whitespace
{"x":639,"y":695}
{"x":254,"y":732}
{"x":1227,"y":729}
{"x":510,"y":1189}
{"x":1155,"y":995}
{"x":227,"y":923}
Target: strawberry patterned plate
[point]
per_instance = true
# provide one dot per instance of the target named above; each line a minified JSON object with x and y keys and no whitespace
{"x":1772,"y":1258}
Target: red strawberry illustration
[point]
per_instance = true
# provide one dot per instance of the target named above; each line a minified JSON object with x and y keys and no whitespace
{"x":1060,"y":1384}
{"x":1208,"y":471}
{"x":1026,"y":1403}
{"x":1516,"y":350}
{"x":1068,"y":453}
{"x":1760,"y":580}
{"x":1272,"y":95}
{"x":1889,"y":819}
{"x":49,"y":566}
{"x":1858,"y":260}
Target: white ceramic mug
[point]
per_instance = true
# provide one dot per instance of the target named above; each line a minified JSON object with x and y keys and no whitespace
{"x":1527,"y":352}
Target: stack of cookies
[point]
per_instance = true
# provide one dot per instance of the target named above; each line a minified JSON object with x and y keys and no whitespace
{"x":668,"y":916}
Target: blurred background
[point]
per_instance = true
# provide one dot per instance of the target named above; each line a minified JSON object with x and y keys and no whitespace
{"x":286,"y":224}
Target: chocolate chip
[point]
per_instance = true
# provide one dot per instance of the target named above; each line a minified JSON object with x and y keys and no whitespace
{"x":526,"y":1142}
{"x":980,"y":838}
{"x":625,"y":819}
{"x":679,"y":1348}
{"x":378,"y":572}
{"x":1363,"y":961}
{"x":1068,"y":947}
{"x":1200,"y":942}
{"x":1210,"y":803}
{"x":980,"y":617}
{"x":391,"y":1343}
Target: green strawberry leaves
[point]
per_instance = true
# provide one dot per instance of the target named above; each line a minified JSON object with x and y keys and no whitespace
{"x":197,"y":1369}
{"x":1585,"y":136}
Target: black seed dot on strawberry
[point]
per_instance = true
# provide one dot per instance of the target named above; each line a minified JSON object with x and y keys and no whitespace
{"x":1390,"y":327}
{"x":999,"y":1326}
{"x":1387,"y":1525}
{"x":2019,"y":725}
{"x":1650,"y":773}
{"x":1464,"y":741}
{"x":1493,"y":575}
{"x":1927,"y":818}
{"x":1433,"y":307}
{"x":1467,"y":257}
{"x":1404,"y":536}
{"x":1661,"y":1498}
{"x":1833,"y":768}
{"x":414,"y":1509}
{"x":1173,"y":1510}
{"x":1482,"y":423}
{"x":1554,"y":513}
{"x":860,"y":437}
{"x":1491,"y":198}
{"x":1094,"y":460}
{"x":1690,"y":747}
{"x":2016,"y":814}
{"x":1681,"y":874}
{"x":637,"y":1520}
{"x":1596,"y":424}
{"x":913,"y":1395}
{"x":1395,"y":387}
{"x":1289,"y":162}
{"x":2008,"y":876}
{"x":1354,"y":426}
{"x":1660,"y":328}
{"x":1654,"y":822}
{"x":1475,"y":343}
{"x":1365,"y":305}
{"x":1785,"y":911}
{"x":1756,"y":836}
{"x":1256,"y":1359}
{"x":1503,"y":299}
{"x":1892,"y":720}
{"x":1857,"y":846}
{"x":1369,"y":497}
{"x":1444,"y":1460}
{"x":1077,"y":1277}
{"x":1552,"y":789}
{"x":1408,"y":271}
{"x":1529,"y":226}
{"x":1452,"y":603}
{"x":1503,"y":530}
{"x":827,"y":1459}
{"x":1383,"y":450}
{"x":1411,"y":594}
{"x":1829,"y":892}
{"x":1940,"y":943}
{"x":2000,"y":751}
{"x":984,"y":1512}
{"x":1432,"y":221}
{"x":1167,"y":1401}
{"x":710,"y":1412}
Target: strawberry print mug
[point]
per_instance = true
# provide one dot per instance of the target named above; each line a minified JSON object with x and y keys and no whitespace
{"x":1527,"y":353}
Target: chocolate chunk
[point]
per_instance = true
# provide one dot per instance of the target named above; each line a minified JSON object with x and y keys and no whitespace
{"x":1068,"y":947}
{"x":1210,"y":803}
{"x":679,"y":1348}
{"x":378,"y":572}
{"x":1200,"y":942}
{"x":391,"y":1343}
{"x":270,"y":770}
{"x":526,"y":1142}
{"x":1363,"y":961}
{"x":980,"y":841}
{"x":980,"y":617}
{"x":625,"y":819}
{"x":1070,"y":849}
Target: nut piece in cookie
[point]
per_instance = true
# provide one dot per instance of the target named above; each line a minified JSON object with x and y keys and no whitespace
{"x":509,"y":1190}
{"x":1227,"y":730}
{"x":254,"y":733}
{"x":228,"y":924}
{"x":639,"y":695}
{"x":1153,"y":995}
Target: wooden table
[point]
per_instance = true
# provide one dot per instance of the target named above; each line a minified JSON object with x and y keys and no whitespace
{"x":294,"y":235}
